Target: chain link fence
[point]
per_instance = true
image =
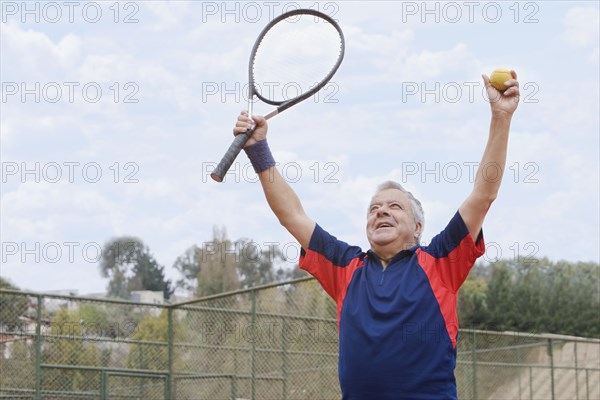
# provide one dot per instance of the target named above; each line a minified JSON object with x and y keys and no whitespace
{"x":273,"y":342}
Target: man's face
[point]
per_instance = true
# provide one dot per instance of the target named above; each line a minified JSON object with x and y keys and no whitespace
{"x":390,"y":222}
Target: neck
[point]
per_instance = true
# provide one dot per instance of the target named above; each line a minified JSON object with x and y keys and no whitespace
{"x":385,"y":255}
{"x":384,"y":261}
{"x":384,"y":258}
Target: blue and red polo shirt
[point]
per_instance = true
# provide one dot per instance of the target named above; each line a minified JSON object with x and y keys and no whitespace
{"x":397,"y":326}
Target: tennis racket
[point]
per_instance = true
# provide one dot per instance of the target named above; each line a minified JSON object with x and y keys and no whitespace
{"x":293,"y":58}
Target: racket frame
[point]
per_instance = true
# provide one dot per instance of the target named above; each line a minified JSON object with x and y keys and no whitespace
{"x":240,"y":140}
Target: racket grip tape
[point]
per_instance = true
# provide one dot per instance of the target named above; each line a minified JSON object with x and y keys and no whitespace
{"x":230,"y":155}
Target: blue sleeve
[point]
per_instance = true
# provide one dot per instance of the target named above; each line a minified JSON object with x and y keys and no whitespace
{"x":331,"y":261}
{"x":452,"y":253}
{"x":339,"y":253}
{"x":451,"y":237}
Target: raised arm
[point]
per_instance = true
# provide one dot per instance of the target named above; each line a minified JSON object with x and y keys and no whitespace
{"x":490,"y":171}
{"x":282,"y":199}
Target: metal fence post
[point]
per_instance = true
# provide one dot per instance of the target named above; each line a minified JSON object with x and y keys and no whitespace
{"x":576,"y":373}
{"x":168,"y":393}
{"x":253,"y":348}
{"x":234,"y":378}
{"x":103,"y":385}
{"x":38,"y":349}
{"x":141,"y":365}
{"x":530,"y":383}
{"x":550,"y":352}
{"x":518,"y":351}
{"x":284,"y":361}
{"x":587,"y":384}
{"x":474,"y":363}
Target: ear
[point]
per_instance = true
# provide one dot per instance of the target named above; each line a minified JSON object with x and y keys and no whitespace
{"x":418,"y":229}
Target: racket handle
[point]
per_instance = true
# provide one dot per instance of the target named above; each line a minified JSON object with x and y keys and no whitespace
{"x":236,"y":146}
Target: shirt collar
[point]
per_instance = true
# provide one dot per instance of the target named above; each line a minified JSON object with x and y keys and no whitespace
{"x":400,"y":255}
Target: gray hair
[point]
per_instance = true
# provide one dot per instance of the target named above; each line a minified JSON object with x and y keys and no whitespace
{"x":417,"y":208}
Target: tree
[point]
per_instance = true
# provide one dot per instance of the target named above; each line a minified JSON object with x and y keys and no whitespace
{"x":11,"y":306}
{"x":69,"y":346}
{"x":219,"y":265}
{"x":16,"y":352}
{"x":222,"y":265}
{"x":149,"y":275}
{"x":472,"y":306}
{"x":188,"y":266}
{"x":130,"y":266}
{"x":150,"y":356}
{"x":286,"y":274}
{"x":18,"y":366}
{"x":499,"y":297}
{"x":533,"y":295}
{"x":572,"y":298}
{"x":529,"y":293}
{"x":256,"y":265}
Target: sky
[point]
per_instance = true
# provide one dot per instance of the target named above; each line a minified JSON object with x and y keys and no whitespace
{"x":113,"y":115}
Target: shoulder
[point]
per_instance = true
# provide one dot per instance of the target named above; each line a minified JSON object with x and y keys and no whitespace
{"x":333,"y":249}
{"x":454,"y":236}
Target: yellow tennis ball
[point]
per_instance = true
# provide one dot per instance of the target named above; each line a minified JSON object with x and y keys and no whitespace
{"x":498,"y":77}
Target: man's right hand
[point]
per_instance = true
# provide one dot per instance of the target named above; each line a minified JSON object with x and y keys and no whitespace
{"x":282,"y":199}
{"x":244,"y":123}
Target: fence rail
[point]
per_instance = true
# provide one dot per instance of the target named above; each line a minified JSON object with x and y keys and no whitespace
{"x":277,"y":341}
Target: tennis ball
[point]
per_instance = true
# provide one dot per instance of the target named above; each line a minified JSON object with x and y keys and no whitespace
{"x":498,"y":77}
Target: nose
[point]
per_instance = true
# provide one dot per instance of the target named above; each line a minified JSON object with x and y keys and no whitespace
{"x":383,"y":210}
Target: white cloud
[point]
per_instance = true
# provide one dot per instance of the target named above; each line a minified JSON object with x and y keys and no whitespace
{"x":167,"y":14}
{"x":34,"y":48}
{"x":396,"y":58}
{"x":582,"y":27}
{"x":595,"y":56}
{"x":394,"y":43}
{"x":107,"y":67}
{"x":430,"y":64}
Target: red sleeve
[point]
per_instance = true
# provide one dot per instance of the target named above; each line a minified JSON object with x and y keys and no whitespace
{"x":452,"y":253}
{"x":447,"y":262}
{"x":332,"y":262}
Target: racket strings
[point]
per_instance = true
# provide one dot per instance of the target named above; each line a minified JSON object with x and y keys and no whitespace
{"x":294,"y":56}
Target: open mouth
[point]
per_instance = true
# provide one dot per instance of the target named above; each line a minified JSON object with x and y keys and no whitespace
{"x":383,"y":225}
